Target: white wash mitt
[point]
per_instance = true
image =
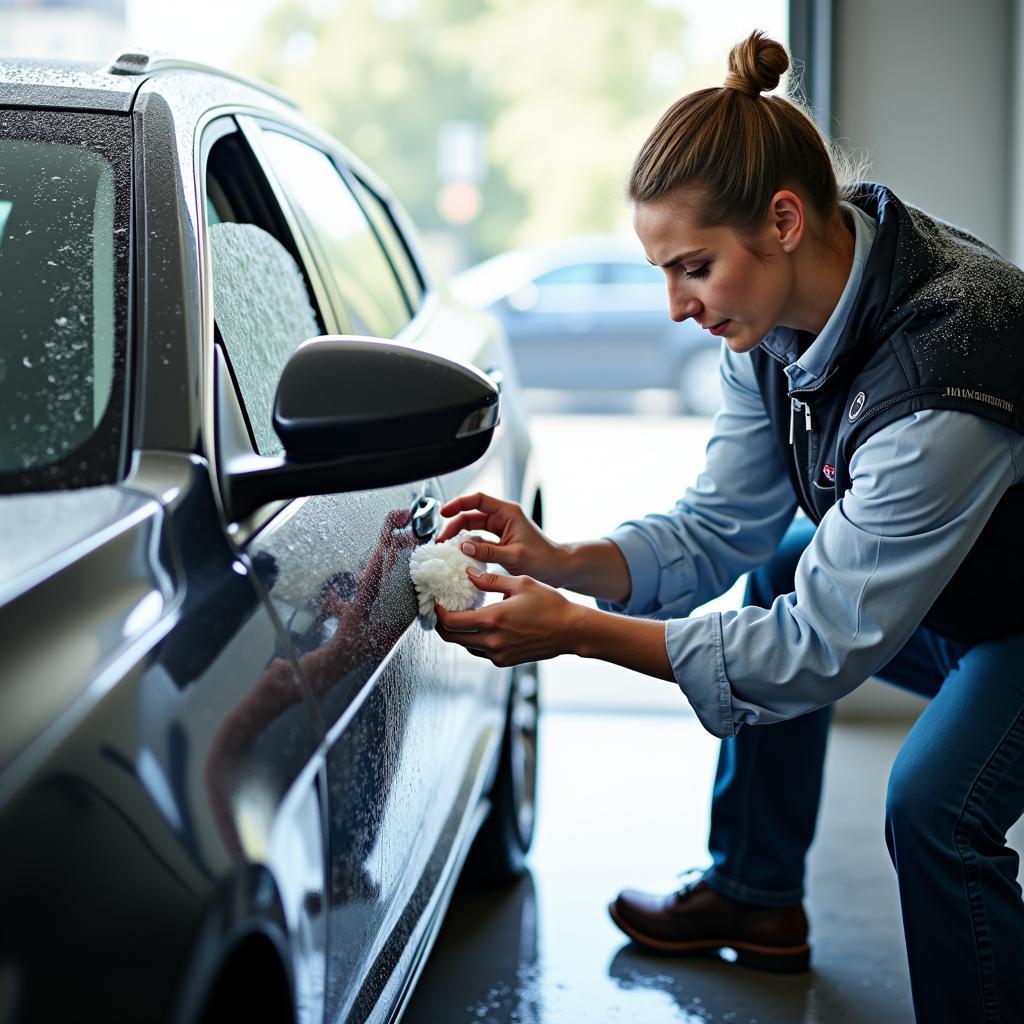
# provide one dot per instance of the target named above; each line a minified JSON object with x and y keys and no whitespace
{"x":438,"y":572}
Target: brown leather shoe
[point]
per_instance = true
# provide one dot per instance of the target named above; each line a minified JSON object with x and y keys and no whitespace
{"x":697,"y":919}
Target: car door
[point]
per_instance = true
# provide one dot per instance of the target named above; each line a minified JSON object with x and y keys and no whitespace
{"x":335,"y":571}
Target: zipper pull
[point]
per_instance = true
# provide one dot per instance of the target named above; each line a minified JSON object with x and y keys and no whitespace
{"x":795,"y":406}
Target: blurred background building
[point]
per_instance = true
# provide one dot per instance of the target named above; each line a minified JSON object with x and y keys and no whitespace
{"x":498,"y":124}
{"x":68,"y":29}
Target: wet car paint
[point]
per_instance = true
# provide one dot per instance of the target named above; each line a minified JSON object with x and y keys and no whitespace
{"x":263,"y":741}
{"x":105,"y":817}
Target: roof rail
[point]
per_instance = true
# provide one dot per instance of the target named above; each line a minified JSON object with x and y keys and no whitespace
{"x":147,"y":62}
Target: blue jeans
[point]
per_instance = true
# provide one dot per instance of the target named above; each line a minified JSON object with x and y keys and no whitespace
{"x":956,"y":786}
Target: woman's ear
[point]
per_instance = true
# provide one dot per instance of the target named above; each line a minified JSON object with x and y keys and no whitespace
{"x":786,"y":219}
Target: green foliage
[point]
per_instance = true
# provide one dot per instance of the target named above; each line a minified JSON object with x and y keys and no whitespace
{"x":566,"y":90}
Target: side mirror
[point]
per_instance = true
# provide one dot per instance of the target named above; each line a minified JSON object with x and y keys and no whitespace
{"x":354,"y":413}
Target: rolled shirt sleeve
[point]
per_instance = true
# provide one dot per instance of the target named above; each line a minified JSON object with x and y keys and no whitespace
{"x":922,"y":490}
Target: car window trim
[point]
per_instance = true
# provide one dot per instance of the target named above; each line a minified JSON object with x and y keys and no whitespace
{"x":388,"y":208}
{"x":418,"y":325}
{"x":218,"y":124}
{"x":332,"y":309}
{"x":312,"y":250}
{"x":343,"y":171}
{"x":245,"y":120}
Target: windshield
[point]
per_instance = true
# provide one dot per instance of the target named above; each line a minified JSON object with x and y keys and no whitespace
{"x":61,"y":306}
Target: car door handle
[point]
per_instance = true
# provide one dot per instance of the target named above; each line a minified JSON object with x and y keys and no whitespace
{"x":425,"y":514}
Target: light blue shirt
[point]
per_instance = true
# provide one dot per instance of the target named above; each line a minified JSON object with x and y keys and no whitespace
{"x":922,"y":489}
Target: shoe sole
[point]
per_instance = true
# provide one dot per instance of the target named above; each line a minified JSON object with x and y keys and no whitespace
{"x":778,"y":959}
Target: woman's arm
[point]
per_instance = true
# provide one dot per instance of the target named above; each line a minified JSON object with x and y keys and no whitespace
{"x":922,"y":490}
{"x":870,"y":574}
{"x":666,"y":563}
{"x":595,"y":568}
{"x":535,"y":621}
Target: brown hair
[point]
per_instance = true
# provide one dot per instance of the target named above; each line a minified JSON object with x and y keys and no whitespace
{"x":738,"y":146}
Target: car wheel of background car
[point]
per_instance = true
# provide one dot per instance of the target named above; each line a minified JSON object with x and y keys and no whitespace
{"x":700,"y":392}
{"x":499,"y":853}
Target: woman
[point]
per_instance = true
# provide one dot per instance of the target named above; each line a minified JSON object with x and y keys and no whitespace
{"x":872,"y":376}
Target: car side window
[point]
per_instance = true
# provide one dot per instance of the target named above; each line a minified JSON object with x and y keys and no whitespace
{"x":359,"y":266}
{"x":263,"y":301}
{"x":65,"y":207}
{"x":394,"y":243}
{"x":571,"y":273}
{"x":635,"y":273}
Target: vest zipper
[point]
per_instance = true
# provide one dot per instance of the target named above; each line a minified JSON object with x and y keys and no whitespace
{"x":795,"y":406}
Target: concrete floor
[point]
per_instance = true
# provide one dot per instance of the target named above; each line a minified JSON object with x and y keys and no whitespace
{"x":624,"y":802}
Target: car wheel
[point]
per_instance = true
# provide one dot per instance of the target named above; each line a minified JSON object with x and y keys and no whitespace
{"x":700,"y":392}
{"x":499,"y":853}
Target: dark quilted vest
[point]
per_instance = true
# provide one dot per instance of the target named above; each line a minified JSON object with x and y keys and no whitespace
{"x":938,"y":323}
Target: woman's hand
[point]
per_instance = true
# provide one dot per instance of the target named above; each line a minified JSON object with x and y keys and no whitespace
{"x":523,"y":549}
{"x":532,"y":623}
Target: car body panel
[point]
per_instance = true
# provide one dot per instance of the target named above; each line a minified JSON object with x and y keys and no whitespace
{"x":106,"y":816}
{"x":231,"y":729}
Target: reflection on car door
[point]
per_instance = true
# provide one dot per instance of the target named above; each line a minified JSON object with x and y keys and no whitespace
{"x":335,"y":571}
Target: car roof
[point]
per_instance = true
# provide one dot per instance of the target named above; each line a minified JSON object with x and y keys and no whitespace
{"x":64,"y":84}
{"x":80,"y":85}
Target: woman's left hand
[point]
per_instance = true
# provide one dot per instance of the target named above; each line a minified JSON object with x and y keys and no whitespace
{"x":533,"y":622}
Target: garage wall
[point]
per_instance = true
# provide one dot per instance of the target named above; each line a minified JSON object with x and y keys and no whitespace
{"x":926,"y":88}
{"x":1016,"y":248}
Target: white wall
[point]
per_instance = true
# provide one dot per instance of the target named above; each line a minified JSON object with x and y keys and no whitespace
{"x":1016,"y":249}
{"x":926,"y":88}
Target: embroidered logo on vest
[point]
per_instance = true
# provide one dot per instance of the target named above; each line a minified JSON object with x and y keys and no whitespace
{"x":829,"y":472}
{"x":858,"y":406}
{"x":979,"y":396}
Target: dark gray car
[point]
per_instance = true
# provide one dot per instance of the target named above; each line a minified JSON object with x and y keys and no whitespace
{"x":238,"y":779}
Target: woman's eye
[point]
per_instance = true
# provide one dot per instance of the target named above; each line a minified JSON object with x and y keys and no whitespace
{"x":697,"y":273}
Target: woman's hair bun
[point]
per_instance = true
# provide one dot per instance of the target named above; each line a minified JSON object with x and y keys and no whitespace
{"x":756,"y":64}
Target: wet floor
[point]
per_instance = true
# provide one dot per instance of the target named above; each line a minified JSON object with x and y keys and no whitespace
{"x":625,"y":803}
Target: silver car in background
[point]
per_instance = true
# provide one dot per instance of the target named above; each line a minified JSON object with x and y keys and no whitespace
{"x":590,"y":314}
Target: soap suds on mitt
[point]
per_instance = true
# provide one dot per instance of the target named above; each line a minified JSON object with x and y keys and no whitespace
{"x":438,"y":573}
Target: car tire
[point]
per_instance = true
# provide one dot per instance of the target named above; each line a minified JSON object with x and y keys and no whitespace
{"x":699,"y":390}
{"x":499,"y":853}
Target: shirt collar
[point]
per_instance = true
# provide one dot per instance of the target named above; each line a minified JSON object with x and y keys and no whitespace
{"x":805,"y":370}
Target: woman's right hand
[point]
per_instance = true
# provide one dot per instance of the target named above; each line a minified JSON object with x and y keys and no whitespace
{"x":522,"y":549}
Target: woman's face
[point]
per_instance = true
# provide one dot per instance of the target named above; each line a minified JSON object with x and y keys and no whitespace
{"x":712,"y":276}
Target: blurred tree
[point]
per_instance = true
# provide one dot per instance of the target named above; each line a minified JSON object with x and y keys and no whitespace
{"x":565,"y":91}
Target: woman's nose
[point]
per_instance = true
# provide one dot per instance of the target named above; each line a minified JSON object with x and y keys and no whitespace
{"x":682,"y":306}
